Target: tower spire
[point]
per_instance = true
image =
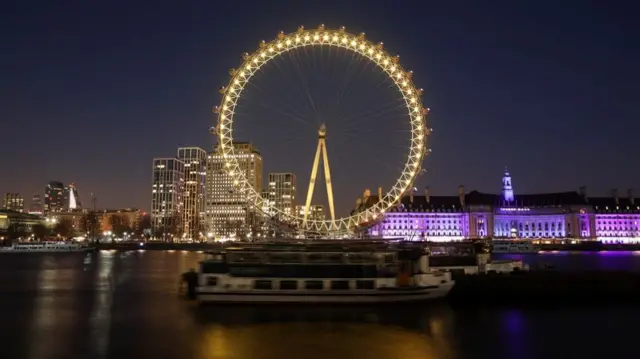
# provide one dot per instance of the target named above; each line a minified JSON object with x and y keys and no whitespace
{"x":507,"y":188}
{"x":322,"y":149}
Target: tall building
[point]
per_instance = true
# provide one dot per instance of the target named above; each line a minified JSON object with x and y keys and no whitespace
{"x":282,"y":192}
{"x":36,"y":204}
{"x":195,"y":160}
{"x":167,"y":197}
{"x":13,"y":202}
{"x":228,"y":212}
{"x":71,"y":198}
{"x":54,"y":195}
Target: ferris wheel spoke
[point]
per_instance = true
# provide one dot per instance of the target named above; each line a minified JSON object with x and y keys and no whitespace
{"x":269,"y":92}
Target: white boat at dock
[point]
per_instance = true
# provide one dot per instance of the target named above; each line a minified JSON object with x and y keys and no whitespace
{"x":320,"y":272}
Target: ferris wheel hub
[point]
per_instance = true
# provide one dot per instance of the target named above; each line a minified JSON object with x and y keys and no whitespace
{"x":322,"y":132}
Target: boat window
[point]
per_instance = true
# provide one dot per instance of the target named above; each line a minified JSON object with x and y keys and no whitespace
{"x":244,"y":257}
{"x":365,"y":284}
{"x":285,"y":258}
{"x":214,"y":267}
{"x":262,"y":284}
{"x":315,"y":258}
{"x":389,"y":258}
{"x":361,"y":258}
{"x":289,"y":284}
{"x":212,"y":281}
{"x":339,"y":284}
{"x":334,"y":258}
{"x":314,"y":284}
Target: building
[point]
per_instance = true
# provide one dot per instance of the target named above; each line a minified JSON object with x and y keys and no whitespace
{"x":282,"y":192}
{"x":195,"y":160}
{"x":316,"y":212}
{"x":54,"y":197}
{"x":546,"y":216}
{"x":128,"y":218}
{"x":71,"y":198}
{"x":13,"y":202}
{"x":167,"y":191}
{"x":21,"y":222}
{"x":228,"y":213}
{"x":36,"y":204}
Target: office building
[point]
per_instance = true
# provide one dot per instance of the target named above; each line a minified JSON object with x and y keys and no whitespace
{"x":71,"y":198}
{"x":36,"y":204}
{"x":194,"y":159}
{"x":13,"y":202}
{"x":228,"y":212}
{"x":167,"y":198}
{"x":316,"y":212}
{"x":282,"y":192}
{"x":54,"y":196}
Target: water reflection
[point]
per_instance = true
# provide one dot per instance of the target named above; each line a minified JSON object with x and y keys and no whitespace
{"x":324,"y":332}
{"x":126,"y":305}
{"x":100,"y":322}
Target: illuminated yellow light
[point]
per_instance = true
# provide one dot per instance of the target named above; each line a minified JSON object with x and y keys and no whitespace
{"x":335,"y":38}
{"x":353,"y":43}
{"x":279,"y":45}
{"x":306,"y":38}
{"x":325,"y":37}
{"x":297,"y":39}
{"x":316,"y":37}
{"x":288,"y":42}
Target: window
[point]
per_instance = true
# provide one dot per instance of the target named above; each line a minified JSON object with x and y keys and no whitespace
{"x":339,"y":284}
{"x":262,"y":284}
{"x":314,"y":284}
{"x":289,"y":284}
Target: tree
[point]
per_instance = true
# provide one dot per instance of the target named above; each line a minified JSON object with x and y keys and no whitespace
{"x":40,"y":231}
{"x":64,"y":228}
{"x":143,"y":226}
{"x":90,"y":224}
{"x":119,"y":225}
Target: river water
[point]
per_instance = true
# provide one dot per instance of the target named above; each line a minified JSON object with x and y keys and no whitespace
{"x":126,"y":305}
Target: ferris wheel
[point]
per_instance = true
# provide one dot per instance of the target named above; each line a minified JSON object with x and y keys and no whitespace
{"x":415,"y":115}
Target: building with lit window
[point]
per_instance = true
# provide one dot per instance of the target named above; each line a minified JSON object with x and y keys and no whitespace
{"x":228,"y":213}
{"x":282,"y":192}
{"x":508,"y":215}
{"x":71,"y":198}
{"x":167,"y":191}
{"x":316,"y":212}
{"x":36,"y":204}
{"x":54,"y":197}
{"x":13,"y":202}
{"x":195,"y":160}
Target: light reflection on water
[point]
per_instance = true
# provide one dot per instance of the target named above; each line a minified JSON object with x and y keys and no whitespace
{"x":126,"y":305}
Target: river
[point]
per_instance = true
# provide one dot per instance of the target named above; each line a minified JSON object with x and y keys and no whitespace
{"x":126,"y":305}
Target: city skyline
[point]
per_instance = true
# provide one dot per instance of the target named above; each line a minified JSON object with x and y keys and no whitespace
{"x":490,"y":108}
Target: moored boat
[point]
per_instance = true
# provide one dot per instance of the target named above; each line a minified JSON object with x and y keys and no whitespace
{"x":44,"y":247}
{"x":324,"y":272}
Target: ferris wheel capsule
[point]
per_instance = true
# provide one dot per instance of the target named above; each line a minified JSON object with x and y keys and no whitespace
{"x":321,"y":27}
{"x":281,"y":35}
{"x":361,"y":36}
{"x":300,"y":29}
{"x":342,"y":29}
{"x":380,"y":45}
{"x":216,"y":109}
{"x":262,"y":44}
{"x":245,"y":56}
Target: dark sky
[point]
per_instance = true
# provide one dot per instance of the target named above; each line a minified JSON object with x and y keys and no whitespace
{"x":91,"y":91}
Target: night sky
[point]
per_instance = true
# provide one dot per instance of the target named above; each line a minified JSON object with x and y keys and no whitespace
{"x":92,"y":91}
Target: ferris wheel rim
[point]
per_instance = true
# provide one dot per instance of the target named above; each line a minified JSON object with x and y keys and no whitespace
{"x":375,"y":53}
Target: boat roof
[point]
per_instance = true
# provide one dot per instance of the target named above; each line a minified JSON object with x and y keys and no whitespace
{"x":320,"y":246}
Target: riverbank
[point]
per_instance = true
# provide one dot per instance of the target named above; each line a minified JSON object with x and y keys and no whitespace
{"x":547,"y":287}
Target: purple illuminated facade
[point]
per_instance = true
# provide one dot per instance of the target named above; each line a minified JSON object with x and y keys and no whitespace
{"x":475,"y":215}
